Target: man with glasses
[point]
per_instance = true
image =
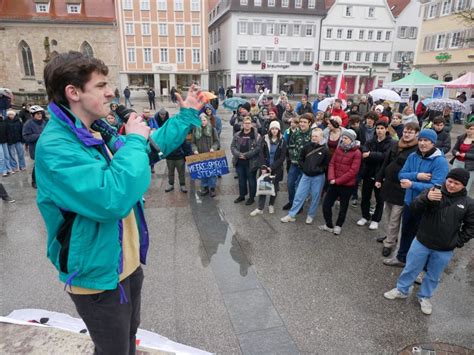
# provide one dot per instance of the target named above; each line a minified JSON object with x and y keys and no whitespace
{"x":387,"y":179}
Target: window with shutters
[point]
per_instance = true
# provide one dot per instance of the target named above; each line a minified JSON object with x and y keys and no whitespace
{"x":398,"y":56}
{"x":164,"y":55}
{"x":440,"y":39}
{"x":376,"y":57}
{"x":337,"y":56}
{"x":433,"y":10}
{"x":461,"y":4}
{"x":327,"y":55}
{"x":385,"y":57}
{"x":295,"y":56}
{"x":180,"y":55}
{"x":348,"y":11}
{"x":367,"y":57}
{"x":196,"y":56}
{"x":242,"y":55}
{"x":163,"y":29}
{"x":412,"y":32}
{"x":147,"y":58}
{"x":446,"y":8}
{"x":179,"y":28}
{"x":329,"y":33}
{"x":257,"y":28}
{"x":309,"y":30}
{"x":349,"y":34}
{"x":243,"y":28}
{"x":370,"y":35}
{"x":283,"y":29}
{"x":358,"y":56}
{"x":269,"y":56}
{"x":339,"y":33}
{"x":388,"y":34}
{"x":347,"y":56}
{"x":282,"y":56}
{"x":129,"y":29}
{"x":256,"y":55}
{"x":307,"y":57}
{"x":296,"y":30}
{"x":402,"y":32}
{"x":270,"y":29}
{"x":145,"y":29}
{"x":361,"y":34}
{"x":371,"y":12}
{"x":455,"y":40}
{"x":379,"y":35}
{"x":26,"y":59}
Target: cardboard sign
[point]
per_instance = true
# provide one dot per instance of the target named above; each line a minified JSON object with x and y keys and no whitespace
{"x":206,"y":165}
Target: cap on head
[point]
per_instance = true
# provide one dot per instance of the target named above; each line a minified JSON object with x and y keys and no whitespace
{"x":459,"y":174}
{"x":349,"y":133}
{"x":428,"y":134}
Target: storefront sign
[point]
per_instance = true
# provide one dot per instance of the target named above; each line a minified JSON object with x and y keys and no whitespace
{"x":278,"y":66}
{"x":443,"y":57}
{"x":206,"y":165}
{"x":358,"y":66}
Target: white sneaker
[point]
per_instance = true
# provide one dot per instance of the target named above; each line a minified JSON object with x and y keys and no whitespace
{"x":373,"y":225}
{"x":325,"y":228}
{"x":393,"y":294}
{"x":425,"y":305}
{"x":287,"y":219}
{"x":309,"y":220}
{"x":256,"y":212}
{"x":271,"y":209}
{"x":362,"y":222}
{"x":337,"y":230}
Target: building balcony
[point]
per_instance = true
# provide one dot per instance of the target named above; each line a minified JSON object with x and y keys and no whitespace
{"x":242,"y":61}
{"x":297,"y":62}
{"x":307,"y":63}
{"x":256,"y":61}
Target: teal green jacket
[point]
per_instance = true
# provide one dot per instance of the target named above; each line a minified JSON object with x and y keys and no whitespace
{"x":83,"y":195}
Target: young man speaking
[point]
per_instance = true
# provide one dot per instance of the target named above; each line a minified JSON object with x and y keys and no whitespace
{"x":91,"y":201}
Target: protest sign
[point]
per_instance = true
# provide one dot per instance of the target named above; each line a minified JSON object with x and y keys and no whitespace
{"x":206,"y":165}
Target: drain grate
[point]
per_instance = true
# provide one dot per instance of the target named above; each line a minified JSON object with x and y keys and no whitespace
{"x":435,"y":349}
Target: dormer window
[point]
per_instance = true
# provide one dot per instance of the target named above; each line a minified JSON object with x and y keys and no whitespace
{"x":74,"y":9}
{"x":42,"y":6}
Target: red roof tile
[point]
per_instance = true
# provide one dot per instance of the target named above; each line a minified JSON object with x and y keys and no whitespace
{"x":397,"y":6}
{"x":25,"y":10}
{"x":329,"y":3}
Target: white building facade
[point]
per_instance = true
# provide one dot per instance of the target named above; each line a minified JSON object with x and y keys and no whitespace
{"x":408,"y":23}
{"x":357,"y":35}
{"x":265,"y":42}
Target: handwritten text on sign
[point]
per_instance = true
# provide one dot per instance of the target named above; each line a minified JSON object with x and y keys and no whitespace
{"x":206,"y":165}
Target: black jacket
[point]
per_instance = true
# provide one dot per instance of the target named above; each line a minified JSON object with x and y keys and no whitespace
{"x":24,"y":115}
{"x":314,"y":159}
{"x":307,"y":108}
{"x":469,"y":159}
{"x":445,"y":224}
{"x":394,"y":160}
{"x":31,"y":133}
{"x":372,"y":164}
{"x":443,"y":142}
{"x":14,"y":130}
{"x":3,"y":130}
{"x":278,"y":160}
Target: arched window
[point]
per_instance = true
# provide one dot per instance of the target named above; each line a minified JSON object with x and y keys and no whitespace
{"x":434,"y":76}
{"x":461,"y":74}
{"x":27,"y":59}
{"x":86,"y":49}
{"x":447,"y":77}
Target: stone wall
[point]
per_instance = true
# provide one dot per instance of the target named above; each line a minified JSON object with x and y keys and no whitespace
{"x":102,"y":38}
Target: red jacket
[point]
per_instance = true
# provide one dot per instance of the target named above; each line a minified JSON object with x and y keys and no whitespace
{"x":344,"y":166}
{"x":341,"y":113}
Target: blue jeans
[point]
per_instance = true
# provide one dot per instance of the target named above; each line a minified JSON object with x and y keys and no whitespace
{"x":209,"y":182}
{"x":127,"y":99}
{"x":308,"y":184}
{"x":294,"y":176}
{"x":246,"y":176}
{"x":19,"y":161}
{"x":4,"y":159}
{"x":419,"y":256}
{"x":410,"y":223}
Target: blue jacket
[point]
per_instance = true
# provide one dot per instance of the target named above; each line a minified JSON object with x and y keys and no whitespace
{"x":435,"y":164}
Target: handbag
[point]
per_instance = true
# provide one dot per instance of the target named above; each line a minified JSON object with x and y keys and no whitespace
{"x":265,"y":185}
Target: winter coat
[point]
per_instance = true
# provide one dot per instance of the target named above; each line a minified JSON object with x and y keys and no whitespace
{"x":126,"y":92}
{"x":469,"y":158}
{"x":433,"y":162}
{"x":83,"y":195}
{"x":151,"y":94}
{"x":161,"y":121}
{"x":341,"y":113}
{"x":205,"y":139}
{"x":5,"y":102}
{"x":31,"y":133}
{"x":214,"y":119}
{"x":255,"y":145}
{"x":344,"y":166}
{"x":306,"y":108}
{"x":372,"y":164}
{"x":364,"y":107}
{"x":278,"y":160}
{"x":297,"y":141}
{"x":445,"y":224}
{"x":286,"y":118}
{"x":314,"y":159}
{"x":394,"y":160}
{"x":443,"y":142}
{"x":24,"y":115}
{"x":14,"y":130}
{"x":180,"y":153}
{"x":3,"y":131}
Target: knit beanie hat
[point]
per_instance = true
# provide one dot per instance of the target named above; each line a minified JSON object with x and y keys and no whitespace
{"x":246,"y":106}
{"x":275,"y":124}
{"x":349,"y":133}
{"x":428,"y":134}
{"x":459,"y":174}
{"x":379,"y":108}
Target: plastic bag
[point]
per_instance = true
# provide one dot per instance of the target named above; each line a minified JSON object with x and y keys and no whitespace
{"x":265,"y":185}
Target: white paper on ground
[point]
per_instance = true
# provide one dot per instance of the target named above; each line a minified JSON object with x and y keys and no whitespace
{"x":66,"y":322}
